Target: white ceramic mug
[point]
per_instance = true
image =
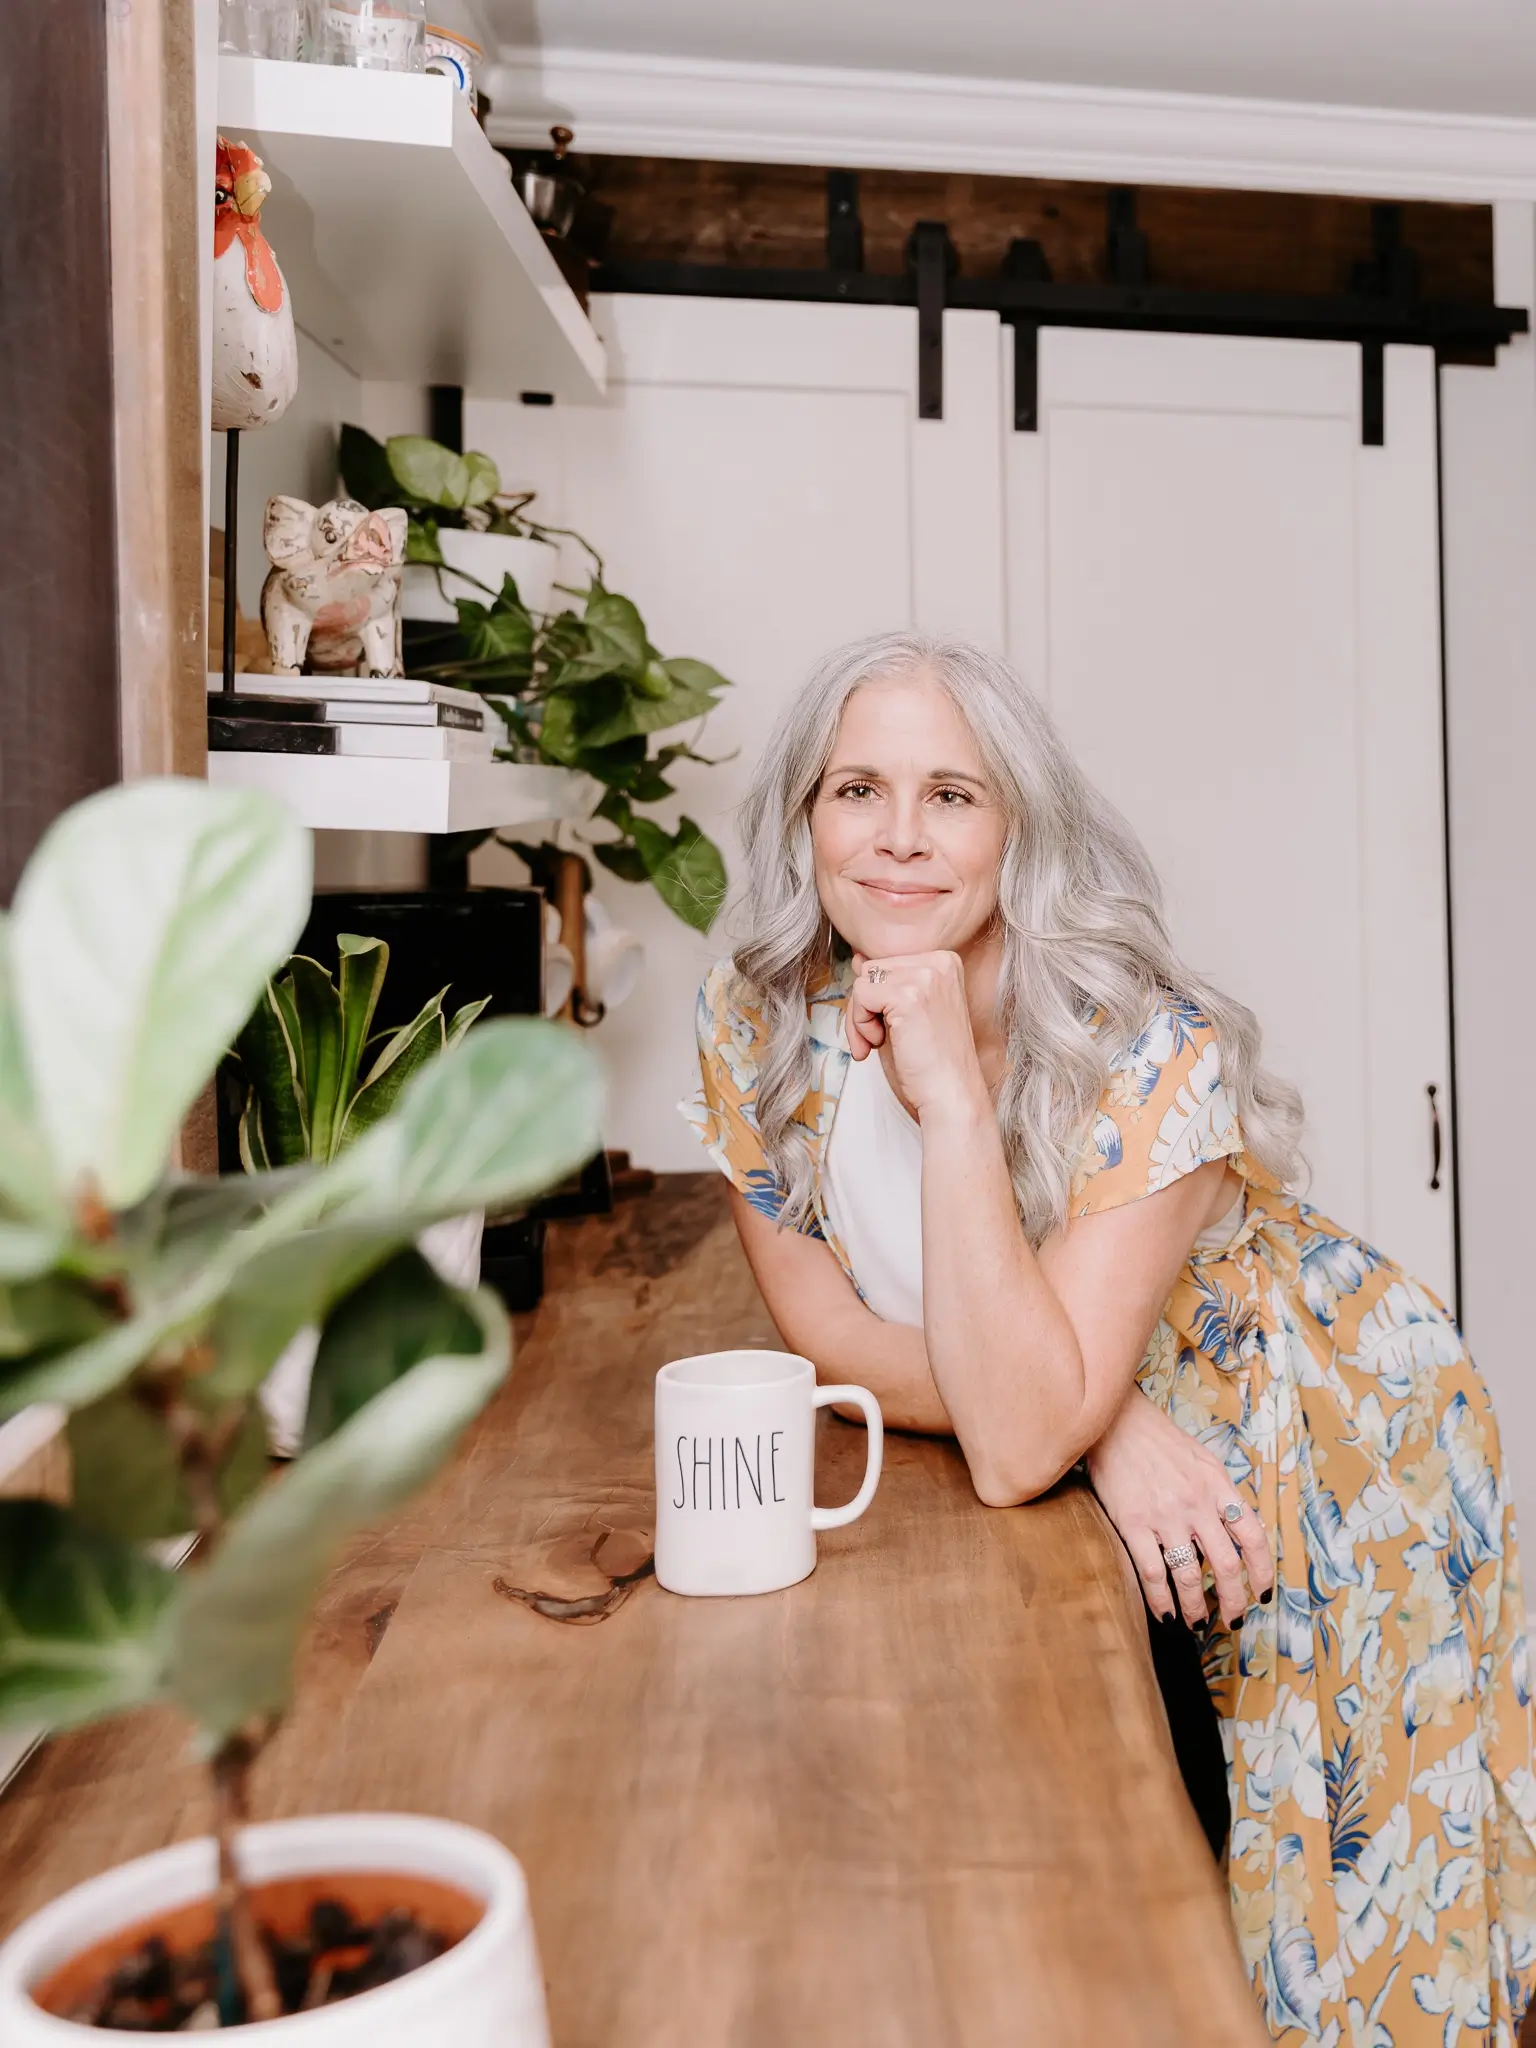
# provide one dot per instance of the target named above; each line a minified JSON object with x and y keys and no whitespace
{"x":735,"y":1470}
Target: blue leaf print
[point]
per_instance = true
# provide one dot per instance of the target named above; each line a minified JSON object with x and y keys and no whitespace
{"x":1461,"y":1830}
{"x":1106,"y":1140}
{"x":1296,"y":1998}
{"x":1222,"y":1325}
{"x":764,"y":1192}
{"x":1294,"y":1625}
{"x":1330,"y":1554}
{"x":1332,"y":1267}
{"x":1185,"y":1020}
{"x":1225,"y":1439}
{"x":1347,"y":1812}
{"x":1474,"y":1491}
{"x":1444,"y":1675}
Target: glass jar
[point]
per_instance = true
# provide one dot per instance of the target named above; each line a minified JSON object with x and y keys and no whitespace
{"x":260,"y":28}
{"x":370,"y":35}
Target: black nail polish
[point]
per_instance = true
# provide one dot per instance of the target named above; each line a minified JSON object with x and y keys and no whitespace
{"x":1267,"y":1595}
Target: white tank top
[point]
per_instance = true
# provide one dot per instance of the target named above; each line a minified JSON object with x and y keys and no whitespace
{"x":872,"y":1188}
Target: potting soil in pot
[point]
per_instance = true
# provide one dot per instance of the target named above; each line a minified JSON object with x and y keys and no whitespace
{"x":173,"y":1976}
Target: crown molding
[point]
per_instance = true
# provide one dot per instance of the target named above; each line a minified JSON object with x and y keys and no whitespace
{"x":623,"y":105}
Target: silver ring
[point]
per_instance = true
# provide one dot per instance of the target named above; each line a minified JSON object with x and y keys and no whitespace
{"x":1232,"y":1512}
{"x":875,"y":973}
{"x":1177,"y":1555}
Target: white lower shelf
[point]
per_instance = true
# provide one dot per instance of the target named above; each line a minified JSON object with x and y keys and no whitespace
{"x":352,"y":794}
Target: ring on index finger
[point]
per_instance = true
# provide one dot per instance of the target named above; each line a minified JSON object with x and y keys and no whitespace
{"x":876,"y":973}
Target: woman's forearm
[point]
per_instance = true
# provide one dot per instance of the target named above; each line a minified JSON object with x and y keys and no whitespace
{"x":888,"y":1358}
{"x":1004,"y":1356}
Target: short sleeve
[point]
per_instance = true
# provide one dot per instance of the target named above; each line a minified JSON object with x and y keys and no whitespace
{"x":1163,"y":1113}
{"x":723,"y":1110}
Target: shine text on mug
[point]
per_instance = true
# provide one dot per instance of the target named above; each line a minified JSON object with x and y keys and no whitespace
{"x":722,"y":1474}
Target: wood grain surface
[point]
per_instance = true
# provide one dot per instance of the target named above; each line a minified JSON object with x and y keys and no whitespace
{"x":925,"y":1798}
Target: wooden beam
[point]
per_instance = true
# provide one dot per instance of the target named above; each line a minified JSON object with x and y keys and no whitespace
{"x":159,"y":195}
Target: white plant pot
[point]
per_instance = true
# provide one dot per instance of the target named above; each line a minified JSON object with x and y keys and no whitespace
{"x":453,"y":1247}
{"x":473,"y":560}
{"x":488,"y":1992}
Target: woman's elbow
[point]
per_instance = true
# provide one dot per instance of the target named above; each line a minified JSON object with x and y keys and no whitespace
{"x":1009,"y":1483}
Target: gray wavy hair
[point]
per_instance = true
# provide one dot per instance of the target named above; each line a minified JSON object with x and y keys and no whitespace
{"x":1082,"y":914}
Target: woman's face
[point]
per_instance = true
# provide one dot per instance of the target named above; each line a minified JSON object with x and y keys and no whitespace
{"x":906,"y":832}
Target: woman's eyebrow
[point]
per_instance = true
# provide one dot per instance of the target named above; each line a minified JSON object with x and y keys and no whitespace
{"x":934,"y":774}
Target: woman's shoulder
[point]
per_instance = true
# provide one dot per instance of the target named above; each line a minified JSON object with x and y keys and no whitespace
{"x":1163,"y":1110}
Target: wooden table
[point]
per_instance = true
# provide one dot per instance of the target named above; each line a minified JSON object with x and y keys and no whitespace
{"x":923,"y":1800}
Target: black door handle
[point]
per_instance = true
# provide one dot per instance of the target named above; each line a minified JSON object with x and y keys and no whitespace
{"x":1434,"y":1138}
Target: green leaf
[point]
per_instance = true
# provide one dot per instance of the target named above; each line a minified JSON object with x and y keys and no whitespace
{"x":82,"y":1619}
{"x":617,"y":634}
{"x":365,"y":469}
{"x":404,"y":1053}
{"x":431,"y":473}
{"x":318,"y":1007}
{"x":421,"y":542}
{"x":128,"y":1480}
{"x":145,"y":927}
{"x":615,"y":810}
{"x":27,"y":1250}
{"x":686,"y":870}
{"x":697,"y":676}
{"x":363,"y":966}
{"x":653,"y":714}
{"x":558,"y":738}
{"x":401,"y":1314}
{"x":503,"y":1116}
{"x":238,"y":1621}
{"x":462,"y":1018}
{"x":623,"y":860}
{"x":484,"y":478}
{"x":496,"y":635}
{"x":274,"y":1129}
{"x":27,"y":1178}
{"x":41,"y":1316}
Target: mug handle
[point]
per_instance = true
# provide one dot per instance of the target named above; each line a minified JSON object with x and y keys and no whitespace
{"x":839,"y":1518}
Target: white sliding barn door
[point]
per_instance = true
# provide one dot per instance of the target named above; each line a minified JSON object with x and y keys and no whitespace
{"x":759,"y":482}
{"x":1231,"y":607}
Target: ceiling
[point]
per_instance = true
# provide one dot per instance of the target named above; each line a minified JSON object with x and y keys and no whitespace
{"x":1455,"y":56}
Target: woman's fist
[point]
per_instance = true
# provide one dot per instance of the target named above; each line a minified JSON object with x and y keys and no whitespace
{"x":915,"y":1004}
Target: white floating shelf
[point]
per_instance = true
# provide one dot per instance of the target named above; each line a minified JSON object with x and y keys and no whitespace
{"x":349,"y":793}
{"x":409,"y":255}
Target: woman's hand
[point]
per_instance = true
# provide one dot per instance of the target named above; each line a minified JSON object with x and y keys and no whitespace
{"x":1160,"y":1488}
{"x":916,"y":1003}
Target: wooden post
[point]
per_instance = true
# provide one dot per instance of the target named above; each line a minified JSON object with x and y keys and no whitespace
{"x":159,"y":195}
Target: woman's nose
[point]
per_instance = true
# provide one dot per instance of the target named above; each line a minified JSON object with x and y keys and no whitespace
{"x":902,"y":833}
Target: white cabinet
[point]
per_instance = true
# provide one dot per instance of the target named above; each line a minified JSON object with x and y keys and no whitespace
{"x":1230,"y":605}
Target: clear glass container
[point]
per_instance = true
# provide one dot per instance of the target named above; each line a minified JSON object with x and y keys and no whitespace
{"x":370,"y":35}
{"x":261,"y":28}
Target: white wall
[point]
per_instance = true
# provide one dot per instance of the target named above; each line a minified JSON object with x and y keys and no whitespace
{"x":1488,"y":428}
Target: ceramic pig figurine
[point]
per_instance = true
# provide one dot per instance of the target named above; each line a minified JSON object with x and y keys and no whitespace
{"x":333,"y":591}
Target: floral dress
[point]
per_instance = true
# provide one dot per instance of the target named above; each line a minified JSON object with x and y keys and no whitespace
{"x":1376,"y":1714}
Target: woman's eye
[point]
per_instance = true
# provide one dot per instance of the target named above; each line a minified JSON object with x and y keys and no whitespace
{"x":951,"y":797}
{"x":857,"y":789}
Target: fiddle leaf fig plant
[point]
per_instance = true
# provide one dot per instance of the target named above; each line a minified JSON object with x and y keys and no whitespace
{"x":583,"y":688}
{"x":150,"y":1304}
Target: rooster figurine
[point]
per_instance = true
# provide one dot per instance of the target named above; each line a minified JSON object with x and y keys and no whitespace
{"x":255,"y":355}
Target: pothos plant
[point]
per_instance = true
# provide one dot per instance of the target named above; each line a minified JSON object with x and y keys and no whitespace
{"x":151,"y":1305}
{"x":582,"y":688}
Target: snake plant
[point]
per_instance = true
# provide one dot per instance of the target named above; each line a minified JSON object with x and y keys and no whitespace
{"x":301,"y":1056}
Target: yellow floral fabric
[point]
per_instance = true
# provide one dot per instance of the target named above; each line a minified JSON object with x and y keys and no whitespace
{"x":1377,"y":1713}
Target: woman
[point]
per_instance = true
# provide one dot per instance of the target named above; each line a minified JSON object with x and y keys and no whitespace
{"x":999,"y":1155}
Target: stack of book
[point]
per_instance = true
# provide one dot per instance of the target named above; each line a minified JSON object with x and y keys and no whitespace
{"x":392,"y":718}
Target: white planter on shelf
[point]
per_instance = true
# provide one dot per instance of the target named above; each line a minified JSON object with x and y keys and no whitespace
{"x":453,"y":1247}
{"x":488,"y":1992}
{"x":476,"y":563}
